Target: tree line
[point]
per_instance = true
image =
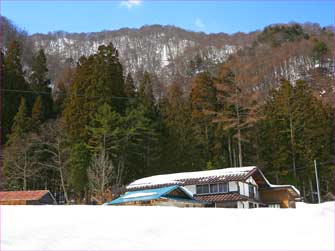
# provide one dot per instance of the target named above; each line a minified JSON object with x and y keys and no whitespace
{"x":97,"y":129}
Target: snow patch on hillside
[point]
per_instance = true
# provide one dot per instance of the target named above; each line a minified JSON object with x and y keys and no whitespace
{"x":309,"y":227}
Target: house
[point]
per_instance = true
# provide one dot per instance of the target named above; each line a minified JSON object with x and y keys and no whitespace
{"x":238,"y":187}
{"x":36,"y":197}
{"x":164,"y":196}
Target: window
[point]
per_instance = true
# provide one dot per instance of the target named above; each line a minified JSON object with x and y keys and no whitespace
{"x":202,"y":189}
{"x":214,"y":188}
{"x":251,"y":191}
{"x":223,"y":188}
{"x":199,"y":189}
{"x":205,"y":188}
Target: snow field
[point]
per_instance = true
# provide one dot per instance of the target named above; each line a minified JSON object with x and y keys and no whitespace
{"x":309,"y":227}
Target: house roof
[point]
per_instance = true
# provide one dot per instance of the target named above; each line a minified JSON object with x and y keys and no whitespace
{"x":208,"y":177}
{"x":23,"y":195}
{"x":151,"y":194}
{"x":220,"y":197}
{"x":192,"y":178}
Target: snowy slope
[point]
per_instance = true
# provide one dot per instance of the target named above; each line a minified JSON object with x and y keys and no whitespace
{"x":309,"y":227}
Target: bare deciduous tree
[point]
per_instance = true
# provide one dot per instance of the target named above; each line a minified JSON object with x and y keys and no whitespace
{"x":53,"y":142}
{"x":100,"y":173}
{"x":19,"y":165}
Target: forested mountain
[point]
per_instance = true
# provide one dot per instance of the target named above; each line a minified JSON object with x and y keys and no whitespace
{"x":86,"y":113}
{"x":163,"y":50}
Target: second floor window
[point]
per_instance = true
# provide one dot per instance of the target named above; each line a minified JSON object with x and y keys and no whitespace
{"x":251,"y":191}
{"x":202,"y":189}
{"x":214,"y":188}
{"x":223,"y":188}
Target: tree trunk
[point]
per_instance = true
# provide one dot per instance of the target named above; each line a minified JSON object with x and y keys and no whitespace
{"x":304,"y":190}
{"x":104,"y":158}
{"x":229,"y":151}
{"x":237,"y":107}
{"x":60,"y":167}
{"x":207,"y":141}
{"x":277,"y":178}
{"x":234,"y":157}
{"x":292,"y":146}
{"x":25,"y":172}
{"x":311,"y":189}
{"x":103,"y":181}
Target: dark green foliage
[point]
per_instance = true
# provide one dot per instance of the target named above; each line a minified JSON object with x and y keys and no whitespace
{"x":98,"y":80}
{"x":13,"y":79}
{"x":140,"y":150}
{"x":320,"y":49}
{"x":295,"y":131}
{"x":278,"y":34}
{"x":38,"y":77}
{"x":36,"y":113}
{"x":195,"y":65}
{"x":79,"y":163}
{"x":18,"y":164}
{"x":180,"y":151}
{"x":129,"y":87}
{"x":128,"y":141}
{"x":104,"y":131}
{"x":21,"y":123}
{"x":146,"y":94}
{"x":321,"y":53}
{"x":108,"y":73}
{"x":39,"y":83}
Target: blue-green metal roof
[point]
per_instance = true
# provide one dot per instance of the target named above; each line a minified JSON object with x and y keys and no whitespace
{"x":151,"y":194}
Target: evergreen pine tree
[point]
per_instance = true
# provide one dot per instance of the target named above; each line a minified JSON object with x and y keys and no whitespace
{"x":180,"y":152}
{"x":13,"y":81}
{"x":146,"y":94}
{"x":129,"y":86}
{"x":18,"y":166}
{"x":39,"y":82}
{"x":21,"y":123}
{"x":98,"y":81}
{"x":36,"y":113}
{"x":79,"y":164}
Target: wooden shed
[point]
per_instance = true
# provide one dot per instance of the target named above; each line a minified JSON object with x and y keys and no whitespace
{"x":36,"y":197}
{"x":280,"y":196}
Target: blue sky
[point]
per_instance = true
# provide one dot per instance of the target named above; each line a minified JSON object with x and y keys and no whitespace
{"x":207,"y":16}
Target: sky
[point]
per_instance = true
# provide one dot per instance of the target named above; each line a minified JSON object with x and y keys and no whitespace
{"x":204,"y":16}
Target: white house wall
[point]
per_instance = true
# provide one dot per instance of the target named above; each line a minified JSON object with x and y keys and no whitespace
{"x":252,"y":181}
{"x":242,"y":204}
{"x":242,"y":190}
{"x":246,"y":189}
{"x":191,"y":189}
{"x":233,"y":186}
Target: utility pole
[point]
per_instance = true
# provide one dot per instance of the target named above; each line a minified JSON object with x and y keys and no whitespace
{"x":317,"y":181}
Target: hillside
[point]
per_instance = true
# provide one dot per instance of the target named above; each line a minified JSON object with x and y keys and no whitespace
{"x":309,"y":227}
{"x":163,"y":50}
{"x":168,"y":50}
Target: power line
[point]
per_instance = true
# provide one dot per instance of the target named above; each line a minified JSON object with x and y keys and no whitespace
{"x":79,"y":95}
{"x":62,"y":94}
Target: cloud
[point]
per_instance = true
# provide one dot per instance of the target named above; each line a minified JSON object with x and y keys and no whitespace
{"x":130,"y":3}
{"x":199,"y":23}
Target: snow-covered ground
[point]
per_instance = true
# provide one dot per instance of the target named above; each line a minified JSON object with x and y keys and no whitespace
{"x":309,"y":227}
